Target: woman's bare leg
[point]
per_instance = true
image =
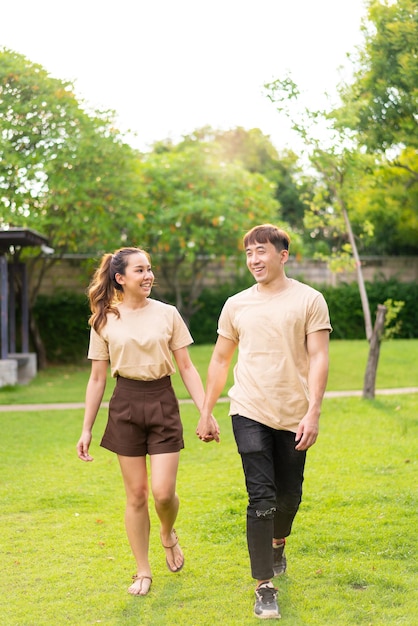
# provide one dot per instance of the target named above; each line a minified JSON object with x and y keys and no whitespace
{"x":137,"y":522}
{"x":163,"y":484}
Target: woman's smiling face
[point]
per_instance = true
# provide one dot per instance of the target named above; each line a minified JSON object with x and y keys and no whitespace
{"x":138,"y":277}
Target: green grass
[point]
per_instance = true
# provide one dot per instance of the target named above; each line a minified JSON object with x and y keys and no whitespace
{"x":352,"y":554}
{"x":398,"y":367}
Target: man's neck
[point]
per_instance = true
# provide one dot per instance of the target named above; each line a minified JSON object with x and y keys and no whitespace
{"x":274,"y":287}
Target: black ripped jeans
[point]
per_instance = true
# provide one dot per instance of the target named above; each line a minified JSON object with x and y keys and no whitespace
{"x":273,"y":475}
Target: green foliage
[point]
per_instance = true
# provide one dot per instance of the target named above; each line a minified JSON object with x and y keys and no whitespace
{"x":380,"y":107}
{"x":62,"y":318}
{"x":194,"y":208}
{"x":347,"y":316}
{"x":69,"y":175}
{"x":393,"y":324}
{"x":387,"y":201}
{"x":344,"y":304}
{"x":63,"y":172}
{"x":255,"y":152}
{"x":62,"y":322}
{"x":366,"y":159}
{"x":340,"y":168}
{"x":204,"y":323}
{"x":383,"y":98}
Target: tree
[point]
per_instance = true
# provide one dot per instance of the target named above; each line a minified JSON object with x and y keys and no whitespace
{"x":339,"y":166}
{"x":255,"y":152}
{"x":380,"y":106}
{"x":196,"y":209}
{"x":387,"y":201}
{"x":384,"y":95}
{"x":63,"y":172}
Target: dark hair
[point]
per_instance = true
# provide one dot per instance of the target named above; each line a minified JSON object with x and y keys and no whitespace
{"x":104,"y":291}
{"x":267,"y":233}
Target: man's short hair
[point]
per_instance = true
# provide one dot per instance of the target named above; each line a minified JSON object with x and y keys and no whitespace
{"x":267,"y":233}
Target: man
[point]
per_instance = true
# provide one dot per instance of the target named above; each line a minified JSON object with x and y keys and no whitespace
{"x":282,"y":329}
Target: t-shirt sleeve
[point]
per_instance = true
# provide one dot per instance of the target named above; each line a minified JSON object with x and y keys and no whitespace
{"x":318,"y":318}
{"x":181,"y":336}
{"x":225,"y":324}
{"x":98,"y":347}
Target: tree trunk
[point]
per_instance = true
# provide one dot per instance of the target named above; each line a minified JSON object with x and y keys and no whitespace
{"x":360,"y":279}
{"x":374,"y":351}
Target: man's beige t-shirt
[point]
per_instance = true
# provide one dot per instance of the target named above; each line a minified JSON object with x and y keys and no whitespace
{"x":271,"y":374}
{"x":139,"y":343}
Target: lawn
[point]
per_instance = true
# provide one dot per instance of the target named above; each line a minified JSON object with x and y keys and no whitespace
{"x":351,"y":557}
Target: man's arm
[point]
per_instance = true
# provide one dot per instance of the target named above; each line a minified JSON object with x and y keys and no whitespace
{"x":216,"y":380}
{"x":317,"y":346}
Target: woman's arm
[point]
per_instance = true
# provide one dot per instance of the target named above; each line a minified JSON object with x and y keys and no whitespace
{"x":190,"y":376}
{"x":216,"y":380}
{"x":194,"y":386}
{"x":94,"y":395}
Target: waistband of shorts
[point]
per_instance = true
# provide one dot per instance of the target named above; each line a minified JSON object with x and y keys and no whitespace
{"x":143,"y":385}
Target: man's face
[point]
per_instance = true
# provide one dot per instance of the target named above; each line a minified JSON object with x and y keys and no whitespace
{"x":265,"y":263}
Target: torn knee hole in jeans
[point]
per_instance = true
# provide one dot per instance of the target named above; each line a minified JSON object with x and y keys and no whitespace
{"x":267,"y":513}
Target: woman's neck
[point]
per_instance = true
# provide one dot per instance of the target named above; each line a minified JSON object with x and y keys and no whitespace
{"x":133,"y":304}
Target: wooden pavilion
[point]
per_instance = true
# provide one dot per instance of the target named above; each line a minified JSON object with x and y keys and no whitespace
{"x":16,"y":367}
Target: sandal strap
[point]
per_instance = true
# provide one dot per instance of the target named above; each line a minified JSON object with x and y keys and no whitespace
{"x":136,"y":577}
{"x":174,"y":544}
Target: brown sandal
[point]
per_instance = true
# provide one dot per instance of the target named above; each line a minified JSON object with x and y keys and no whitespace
{"x":135,"y":577}
{"x":175,"y":569}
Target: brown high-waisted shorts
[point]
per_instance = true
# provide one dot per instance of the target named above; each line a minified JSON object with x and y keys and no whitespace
{"x":144,"y":418}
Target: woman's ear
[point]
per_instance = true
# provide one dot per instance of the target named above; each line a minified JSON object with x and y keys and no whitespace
{"x":119,"y":278}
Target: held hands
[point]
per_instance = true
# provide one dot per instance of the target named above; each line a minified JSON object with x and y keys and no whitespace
{"x":83,"y":447}
{"x":207,"y":429}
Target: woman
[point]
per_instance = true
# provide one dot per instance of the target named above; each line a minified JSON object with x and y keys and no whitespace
{"x":138,"y":335}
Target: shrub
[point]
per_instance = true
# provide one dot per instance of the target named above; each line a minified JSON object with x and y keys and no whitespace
{"x":347,"y":314}
{"x":343,"y":301}
{"x":62,"y":318}
{"x":204,"y":323}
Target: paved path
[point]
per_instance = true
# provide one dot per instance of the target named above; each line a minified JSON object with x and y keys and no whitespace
{"x":62,"y":406}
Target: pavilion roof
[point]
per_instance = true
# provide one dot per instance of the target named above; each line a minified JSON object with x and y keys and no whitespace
{"x":20,"y":237}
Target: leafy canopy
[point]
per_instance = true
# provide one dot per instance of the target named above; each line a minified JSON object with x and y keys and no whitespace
{"x":63,"y":172}
{"x":196,"y":209}
{"x":381,"y":103}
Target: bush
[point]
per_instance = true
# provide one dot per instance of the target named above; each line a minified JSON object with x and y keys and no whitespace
{"x":343,"y":301}
{"x":347,"y":314}
{"x":62,"y":320}
{"x":204,"y":323}
{"x":407,"y":293}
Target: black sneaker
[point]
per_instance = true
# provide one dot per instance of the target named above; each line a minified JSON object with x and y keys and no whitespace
{"x":266,"y":606}
{"x":279,"y":560}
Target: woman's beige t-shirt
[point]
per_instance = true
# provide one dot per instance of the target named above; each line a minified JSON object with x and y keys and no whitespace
{"x":271,"y":374}
{"x":139,"y":343}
